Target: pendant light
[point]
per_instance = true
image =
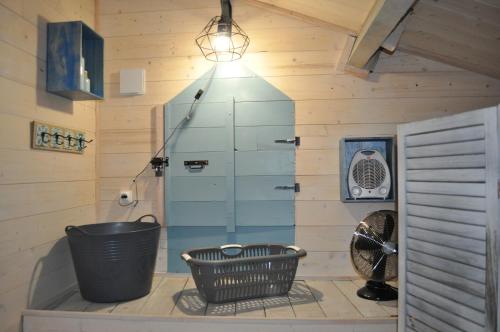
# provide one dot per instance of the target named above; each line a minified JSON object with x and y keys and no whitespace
{"x":222,"y":40}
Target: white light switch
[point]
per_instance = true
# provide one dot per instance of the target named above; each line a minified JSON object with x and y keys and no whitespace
{"x":132,"y":82}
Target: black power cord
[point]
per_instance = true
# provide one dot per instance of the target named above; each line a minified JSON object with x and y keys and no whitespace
{"x":155,"y":161}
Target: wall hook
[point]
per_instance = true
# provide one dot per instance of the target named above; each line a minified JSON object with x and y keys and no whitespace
{"x":50,"y":137}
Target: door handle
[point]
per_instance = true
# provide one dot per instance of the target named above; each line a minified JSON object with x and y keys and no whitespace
{"x":295,"y":187}
{"x":295,"y":141}
{"x":195,"y":164}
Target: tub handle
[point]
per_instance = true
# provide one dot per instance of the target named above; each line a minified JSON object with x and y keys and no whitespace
{"x":147,"y":215}
{"x":185,"y":256}
{"x":69,"y":228}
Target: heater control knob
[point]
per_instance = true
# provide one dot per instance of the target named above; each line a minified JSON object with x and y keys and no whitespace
{"x":382,"y":190}
{"x":356,"y":191}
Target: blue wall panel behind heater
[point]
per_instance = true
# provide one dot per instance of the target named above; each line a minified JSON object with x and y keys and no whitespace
{"x":244,"y":194}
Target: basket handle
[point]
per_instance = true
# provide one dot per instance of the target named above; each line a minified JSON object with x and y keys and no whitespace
{"x":300,"y":252}
{"x":231,"y":246}
{"x":147,"y":215}
{"x":228,"y":246}
{"x":69,"y":228}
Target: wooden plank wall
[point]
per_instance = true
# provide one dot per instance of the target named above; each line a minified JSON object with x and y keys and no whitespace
{"x":298,"y":58}
{"x":40,"y":191}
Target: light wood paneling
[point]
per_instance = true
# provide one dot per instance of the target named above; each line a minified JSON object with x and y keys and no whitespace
{"x":43,"y":197}
{"x":192,"y":67}
{"x":462,"y":33}
{"x":178,"y":297}
{"x":110,"y":7}
{"x":181,"y":44}
{"x":347,"y":14}
{"x":31,"y":166}
{"x":324,"y":238}
{"x":23,"y":233}
{"x":312,"y":87}
{"x":41,"y":192}
{"x":191,"y":21}
{"x":298,"y":57}
{"x":175,"y":304}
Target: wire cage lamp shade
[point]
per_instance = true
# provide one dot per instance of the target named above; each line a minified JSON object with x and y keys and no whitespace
{"x":222,"y":40}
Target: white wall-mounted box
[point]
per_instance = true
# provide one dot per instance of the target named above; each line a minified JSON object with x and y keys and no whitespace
{"x":132,"y":82}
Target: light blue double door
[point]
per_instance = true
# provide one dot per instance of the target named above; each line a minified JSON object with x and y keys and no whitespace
{"x":231,"y":177}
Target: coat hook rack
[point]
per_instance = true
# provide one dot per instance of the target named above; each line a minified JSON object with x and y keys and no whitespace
{"x":56,"y":138}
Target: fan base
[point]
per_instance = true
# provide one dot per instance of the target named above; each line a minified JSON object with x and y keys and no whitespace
{"x":378,"y":291}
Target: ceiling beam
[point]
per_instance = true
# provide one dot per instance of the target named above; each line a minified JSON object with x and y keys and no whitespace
{"x":382,"y":20}
{"x":343,"y":67}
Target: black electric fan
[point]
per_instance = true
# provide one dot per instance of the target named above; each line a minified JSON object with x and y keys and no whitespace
{"x":374,"y":254}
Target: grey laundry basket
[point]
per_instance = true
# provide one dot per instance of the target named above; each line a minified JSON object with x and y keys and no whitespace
{"x":234,"y":272}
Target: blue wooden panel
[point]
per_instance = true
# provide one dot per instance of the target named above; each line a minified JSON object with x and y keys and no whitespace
{"x":263,"y":188}
{"x":199,"y":140}
{"x":64,"y":51}
{"x":263,"y":138}
{"x":251,"y":210}
{"x":174,"y":262}
{"x":207,"y":214}
{"x":182,"y":238}
{"x":255,"y":89}
{"x":185,"y":237}
{"x":223,"y":89}
{"x":205,"y":115}
{"x":229,"y":170}
{"x":215,"y":165}
{"x":279,"y":234}
{"x":196,"y":189}
{"x":265,"y":163}
{"x":269,"y":113}
{"x":265,"y":213}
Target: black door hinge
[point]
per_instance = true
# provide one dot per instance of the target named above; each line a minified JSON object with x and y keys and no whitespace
{"x":295,"y":187}
{"x":295,"y":141}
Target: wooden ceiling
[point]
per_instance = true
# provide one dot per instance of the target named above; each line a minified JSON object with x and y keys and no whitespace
{"x":347,"y":14}
{"x":462,"y":33}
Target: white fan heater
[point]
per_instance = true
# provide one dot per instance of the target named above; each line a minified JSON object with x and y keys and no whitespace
{"x":369,"y":175}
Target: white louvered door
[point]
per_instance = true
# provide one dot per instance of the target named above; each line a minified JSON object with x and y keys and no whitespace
{"x":448,"y":223}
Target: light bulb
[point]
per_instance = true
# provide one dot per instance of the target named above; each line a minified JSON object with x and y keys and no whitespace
{"x":222,"y":43}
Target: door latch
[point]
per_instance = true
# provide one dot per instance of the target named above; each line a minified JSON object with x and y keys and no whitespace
{"x":295,"y":187}
{"x":295,"y":141}
{"x":158,"y":164}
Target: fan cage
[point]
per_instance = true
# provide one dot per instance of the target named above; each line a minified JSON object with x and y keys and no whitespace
{"x":363,"y":261}
{"x":369,"y":173}
{"x":207,"y":40}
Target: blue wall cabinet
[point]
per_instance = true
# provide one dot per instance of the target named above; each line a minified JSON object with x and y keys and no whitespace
{"x":67,"y":44}
{"x":246,"y":192}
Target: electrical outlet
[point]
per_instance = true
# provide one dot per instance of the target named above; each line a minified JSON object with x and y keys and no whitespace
{"x":126,"y":197}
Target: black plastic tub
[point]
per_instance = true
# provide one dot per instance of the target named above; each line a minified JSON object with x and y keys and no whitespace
{"x":114,"y":261}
